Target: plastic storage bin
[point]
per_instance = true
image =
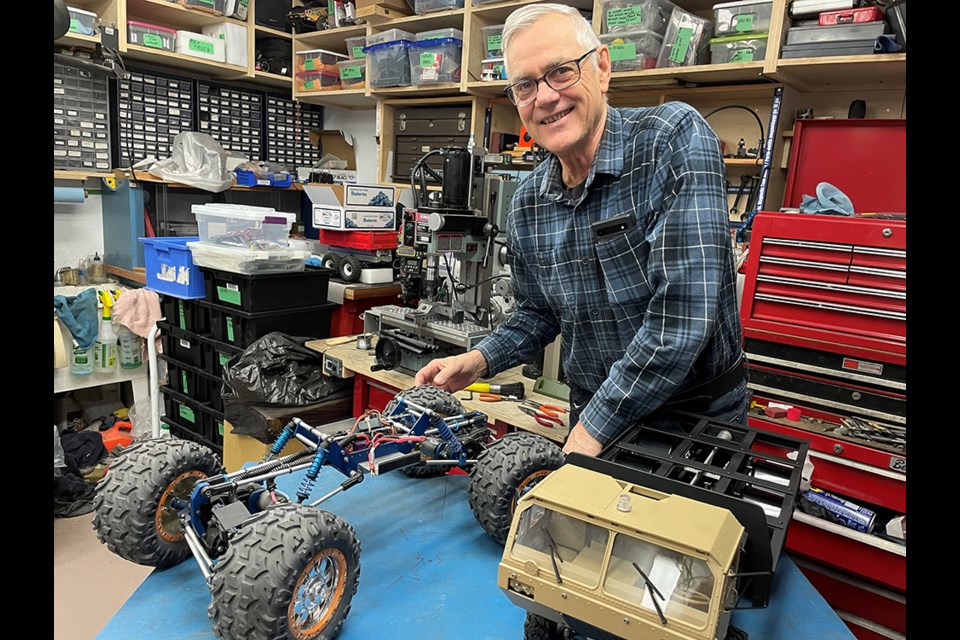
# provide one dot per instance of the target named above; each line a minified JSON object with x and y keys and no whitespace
{"x":245,"y":261}
{"x":353,"y":73}
{"x":82,"y":22}
{"x":318,"y":80}
{"x":686,"y":42}
{"x":355,"y":47}
{"x":435,"y":61}
{"x":388,"y":64}
{"x":185,"y":315}
{"x":746,"y":16}
{"x":421,"y":7}
{"x":631,"y":50}
{"x":183,"y":346}
{"x":151,"y":35}
{"x":169,"y":267}
{"x":200,"y":46}
{"x":218,"y":6}
{"x":216,"y":354}
{"x":492,"y":69}
{"x":491,"y":36}
{"x":440,"y":33}
{"x":241,"y":328}
{"x":634,"y":15}
{"x":267,"y":292}
{"x":390,"y":35}
{"x":318,"y":60}
{"x":260,"y":228}
{"x":740,"y":48}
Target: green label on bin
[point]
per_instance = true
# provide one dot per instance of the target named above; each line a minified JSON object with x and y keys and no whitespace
{"x":493,"y":42}
{"x":624,"y":51}
{"x":229,"y":328}
{"x":741,"y":55}
{"x":429,"y":59}
{"x":152,"y":40}
{"x":209,"y":3}
{"x":183,"y":382}
{"x":223,"y":358}
{"x":349,"y":73}
{"x":310,"y":64}
{"x":228,"y":295}
{"x":621,"y":16}
{"x":183,"y":319}
{"x":74,"y":24}
{"x":201,"y":46}
{"x":308,"y":84}
{"x":220,"y":428}
{"x":186,"y":413}
{"x":681,"y":44}
{"x":744,"y":22}
{"x":358,"y":52}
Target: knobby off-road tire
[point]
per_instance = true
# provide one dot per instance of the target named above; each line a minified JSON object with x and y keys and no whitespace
{"x":350,"y":268}
{"x":539,"y":628}
{"x":506,"y":470}
{"x":438,"y":400}
{"x":331,"y":261}
{"x":291,"y":572}
{"x":133,"y":512}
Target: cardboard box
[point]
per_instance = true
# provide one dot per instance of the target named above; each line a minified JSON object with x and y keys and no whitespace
{"x":347,"y":207}
{"x":335,"y":143}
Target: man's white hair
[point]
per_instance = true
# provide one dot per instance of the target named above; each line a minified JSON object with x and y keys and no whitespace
{"x":525,"y":17}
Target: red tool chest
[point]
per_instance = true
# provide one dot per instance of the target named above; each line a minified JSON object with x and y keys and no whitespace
{"x":824,"y":313}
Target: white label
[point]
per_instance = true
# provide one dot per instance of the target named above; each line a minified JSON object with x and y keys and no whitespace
{"x":233,"y":287}
{"x":73,"y":143}
{"x":86,"y":125}
{"x":58,"y":91}
{"x":87,"y":144}
{"x":862,"y":366}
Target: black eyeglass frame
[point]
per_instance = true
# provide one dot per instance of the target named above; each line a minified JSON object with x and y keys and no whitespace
{"x":508,"y":90}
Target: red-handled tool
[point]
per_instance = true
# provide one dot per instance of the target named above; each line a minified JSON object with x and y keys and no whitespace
{"x":543,"y":419}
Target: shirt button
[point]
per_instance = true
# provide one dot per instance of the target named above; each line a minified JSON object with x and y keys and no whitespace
{"x":596,"y":312}
{"x":585,"y":261}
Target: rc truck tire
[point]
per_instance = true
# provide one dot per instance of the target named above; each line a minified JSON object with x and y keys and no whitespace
{"x":507,"y":469}
{"x":350,"y":269}
{"x":134,"y":515}
{"x":291,"y":572}
{"x":438,"y":400}
{"x":539,"y":628}
{"x":331,"y":261}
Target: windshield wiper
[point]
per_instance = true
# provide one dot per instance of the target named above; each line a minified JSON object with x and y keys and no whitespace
{"x":653,"y":593}
{"x":554,"y":555}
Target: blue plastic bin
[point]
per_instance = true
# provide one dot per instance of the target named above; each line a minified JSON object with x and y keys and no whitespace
{"x":170,"y":269}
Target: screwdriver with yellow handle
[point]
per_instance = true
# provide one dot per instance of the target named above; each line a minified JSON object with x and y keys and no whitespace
{"x":513,"y":389}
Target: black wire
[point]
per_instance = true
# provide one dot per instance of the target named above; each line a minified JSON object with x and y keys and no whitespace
{"x":763,"y":135}
{"x":464,"y":288}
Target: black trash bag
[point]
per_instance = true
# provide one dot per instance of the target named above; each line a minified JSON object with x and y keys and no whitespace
{"x":277,"y":370}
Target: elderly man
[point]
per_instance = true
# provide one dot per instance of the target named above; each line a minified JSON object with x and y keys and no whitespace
{"x":619,"y":241}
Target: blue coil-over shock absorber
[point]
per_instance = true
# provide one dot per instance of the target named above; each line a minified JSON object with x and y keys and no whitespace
{"x":280,"y":442}
{"x":455,"y":448}
{"x":307,"y":485}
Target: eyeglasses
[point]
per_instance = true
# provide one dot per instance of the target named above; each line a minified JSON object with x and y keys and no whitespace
{"x":563,"y":76}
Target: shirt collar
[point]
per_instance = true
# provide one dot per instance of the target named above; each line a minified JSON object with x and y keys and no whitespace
{"x":609,"y":159}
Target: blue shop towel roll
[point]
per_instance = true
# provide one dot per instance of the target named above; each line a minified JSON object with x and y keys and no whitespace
{"x":79,"y":313}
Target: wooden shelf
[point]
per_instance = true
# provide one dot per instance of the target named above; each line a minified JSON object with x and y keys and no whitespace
{"x":421,"y":91}
{"x":349,"y":99}
{"x":136,"y":275}
{"x":173,"y":15}
{"x":877,"y":72}
{"x":490,"y":89}
{"x":329,"y":39}
{"x":182,"y":61}
{"x":743,"y":162}
{"x":78,"y":40}
{"x":437,"y":20}
{"x":497,"y":12}
{"x":273,"y":32}
{"x":728,"y":73}
{"x":272,"y":79}
{"x":70,"y":174}
{"x":144,"y":176}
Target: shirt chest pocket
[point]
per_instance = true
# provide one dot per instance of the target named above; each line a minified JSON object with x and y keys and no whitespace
{"x":556,"y":279}
{"x":623,"y":259}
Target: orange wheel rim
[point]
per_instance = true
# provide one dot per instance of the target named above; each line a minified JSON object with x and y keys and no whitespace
{"x":528,"y":483}
{"x":167,"y":518}
{"x":317,"y":594}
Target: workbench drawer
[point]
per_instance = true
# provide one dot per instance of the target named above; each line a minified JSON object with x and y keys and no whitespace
{"x":862,"y":554}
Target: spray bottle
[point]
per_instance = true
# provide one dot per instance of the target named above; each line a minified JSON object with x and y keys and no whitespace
{"x":130,"y":349}
{"x":105,"y":347}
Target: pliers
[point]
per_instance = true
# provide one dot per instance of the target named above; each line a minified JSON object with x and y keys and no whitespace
{"x":495,"y":397}
{"x":542,"y":418}
{"x":549,"y":409}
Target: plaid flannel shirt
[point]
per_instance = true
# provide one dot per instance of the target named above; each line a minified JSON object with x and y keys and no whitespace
{"x":645,"y":314}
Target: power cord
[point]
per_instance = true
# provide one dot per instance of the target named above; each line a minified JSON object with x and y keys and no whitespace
{"x":763,"y":137}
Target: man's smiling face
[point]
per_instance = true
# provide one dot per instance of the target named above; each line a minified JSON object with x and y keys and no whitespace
{"x":563,"y":122}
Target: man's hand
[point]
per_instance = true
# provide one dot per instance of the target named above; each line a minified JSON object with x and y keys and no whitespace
{"x":455,"y":372}
{"x":579,"y":441}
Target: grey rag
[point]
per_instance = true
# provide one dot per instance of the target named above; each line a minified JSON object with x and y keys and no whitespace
{"x":79,"y":313}
{"x":829,"y":200}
